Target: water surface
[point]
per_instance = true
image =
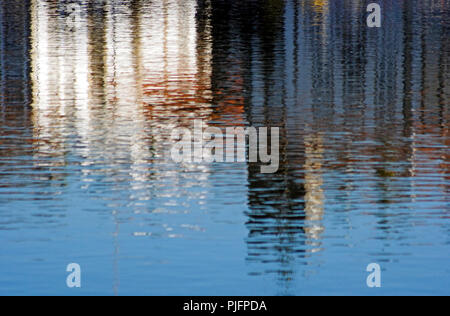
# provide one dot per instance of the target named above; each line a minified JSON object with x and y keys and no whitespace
{"x":89,"y":95}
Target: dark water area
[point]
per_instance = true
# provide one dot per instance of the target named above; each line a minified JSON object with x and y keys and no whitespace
{"x":91,"y":90}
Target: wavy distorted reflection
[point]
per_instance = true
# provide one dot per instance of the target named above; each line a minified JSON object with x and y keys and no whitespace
{"x":335,"y":88}
{"x":117,"y":79}
{"x":15,"y":98}
{"x":364,"y":161}
{"x":109,"y":86}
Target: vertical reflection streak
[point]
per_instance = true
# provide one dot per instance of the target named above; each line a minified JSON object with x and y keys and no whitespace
{"x":314,"y":197}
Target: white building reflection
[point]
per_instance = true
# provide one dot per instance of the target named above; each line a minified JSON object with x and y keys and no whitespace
{"x":115,"y":78}
{"x":111,"y":80}
{"x":60,"y":78}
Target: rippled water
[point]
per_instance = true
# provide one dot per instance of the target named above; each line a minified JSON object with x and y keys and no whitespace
{"x":89,"y":98}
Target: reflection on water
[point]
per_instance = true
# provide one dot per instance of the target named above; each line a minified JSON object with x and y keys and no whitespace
{"x":91,"y":90}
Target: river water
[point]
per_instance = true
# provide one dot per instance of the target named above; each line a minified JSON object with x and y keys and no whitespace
{"x":91,"y":90}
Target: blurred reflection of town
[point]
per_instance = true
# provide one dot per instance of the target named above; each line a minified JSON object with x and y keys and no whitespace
{"x":113,"y":82}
